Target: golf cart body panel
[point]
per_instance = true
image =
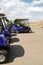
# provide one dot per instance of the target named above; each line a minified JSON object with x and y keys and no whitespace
{"x":17,"y":28}
{"x":3,"y":41}
{"x":21,"y":29}
{"x":7,"y":31}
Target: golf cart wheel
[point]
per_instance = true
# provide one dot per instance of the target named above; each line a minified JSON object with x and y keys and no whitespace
{"x":30,"y":31}
{"x":9,"y":38}
{"x":3,"y":56}
{"x":17,"y":31}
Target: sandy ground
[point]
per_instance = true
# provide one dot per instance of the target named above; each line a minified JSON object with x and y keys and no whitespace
{"x":27,"y":48}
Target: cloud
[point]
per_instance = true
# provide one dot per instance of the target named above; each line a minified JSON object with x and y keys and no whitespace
{"x":19,"y":9}
{"x":35,"y":2}
{"x":37,"y":9}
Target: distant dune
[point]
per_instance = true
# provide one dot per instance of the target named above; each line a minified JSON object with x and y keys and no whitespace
{"x":39,"y":23}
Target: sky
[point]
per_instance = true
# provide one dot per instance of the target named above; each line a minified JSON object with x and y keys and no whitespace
{"x":31,"y":9}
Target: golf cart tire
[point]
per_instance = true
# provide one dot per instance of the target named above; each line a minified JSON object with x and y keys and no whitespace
{"x":30,"y":31}
{"x":3,"y":53}
{"x":9,"y":38}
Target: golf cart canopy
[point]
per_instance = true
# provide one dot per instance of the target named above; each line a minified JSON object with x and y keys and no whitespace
{"x":24,"y":22}
{"x":1,"y":14}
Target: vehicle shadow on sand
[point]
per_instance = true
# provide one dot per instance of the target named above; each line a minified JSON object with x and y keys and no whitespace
{"x":14,"y":40}
{"x":15,"y":51}
{"x":26,"y":32}
{"x":13,"y":34}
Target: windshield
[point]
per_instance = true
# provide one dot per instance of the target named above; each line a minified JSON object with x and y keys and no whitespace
{"x":6,"y":22}
{"x":1,"y":26}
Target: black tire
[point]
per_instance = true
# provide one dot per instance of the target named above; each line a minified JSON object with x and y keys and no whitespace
{"x":9,"y":38}
{"x":3,"y":56}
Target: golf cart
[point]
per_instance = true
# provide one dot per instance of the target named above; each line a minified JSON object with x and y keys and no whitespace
{"x":22,"y":25}
{"x":5,"y":37}
{"x":4,"y":41}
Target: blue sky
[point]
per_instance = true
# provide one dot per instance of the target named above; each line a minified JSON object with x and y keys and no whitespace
{"x":27,"y":1}
{"x":32,"y":9}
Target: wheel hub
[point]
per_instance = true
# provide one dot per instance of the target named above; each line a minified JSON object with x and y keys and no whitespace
{"x":2,"y":58}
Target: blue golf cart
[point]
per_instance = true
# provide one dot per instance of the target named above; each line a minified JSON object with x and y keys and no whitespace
{"x":5,"y":36}
{"x":22,"y":29}
{"x":22,"y":26}
{"x":4,"y":41}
